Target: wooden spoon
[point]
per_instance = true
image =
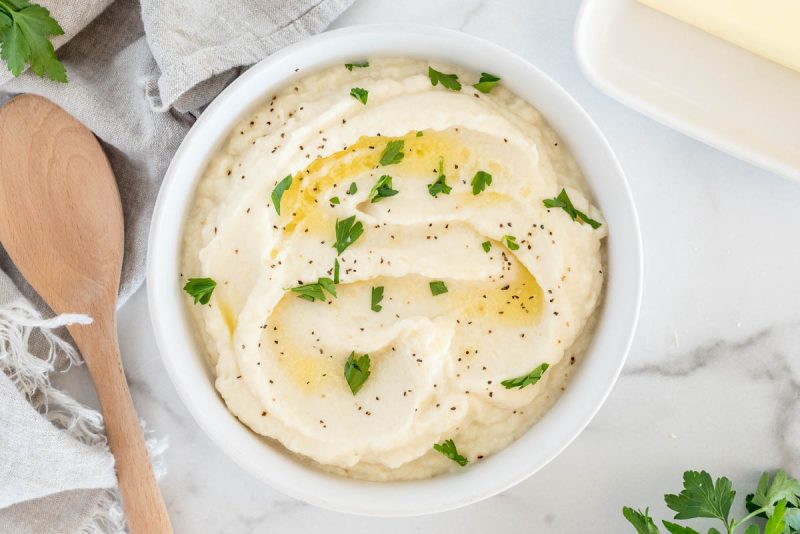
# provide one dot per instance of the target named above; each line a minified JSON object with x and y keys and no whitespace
{"x":61,"y":223}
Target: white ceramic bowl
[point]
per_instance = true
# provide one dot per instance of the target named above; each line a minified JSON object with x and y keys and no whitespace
{"x":184,"y":356}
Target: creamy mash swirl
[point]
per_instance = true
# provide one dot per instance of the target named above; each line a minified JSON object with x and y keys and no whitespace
{"x":437,"y":361}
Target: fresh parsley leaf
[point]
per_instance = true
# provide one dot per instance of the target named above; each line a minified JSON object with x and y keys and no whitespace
{"x":511,"y":242}
{"x":480,"y":181}
{"x":526,"y":380}
{"x":360,"y":65}
{"x":776,"y":524}
{"x":334,"y":200}
{"x":486,"y":83}
{"x":25,"y":31}
{"x":353,"y":189}
{"x":448,"y":448}
{"x":312,"y":292}
{"x":701,"y":497}
{"x":450,"y":81}
{"x":562,"y":201}
{"x":752,"y":529}
{"x":377,"y":297}
{"x":356,"y":371}
{"x":487,"y":246}
{"x":347,"y":231}
{"x":437,"y":288}
{"x":382,"y":189}
{"x":440,"y":185}
{"x":769,"y":493}
{"x":335,"y":270}
{"x":279,"y":190}
{"x":200,"y":289}
{"x":393,"y":153}
{"x":675,"y":528}
{"x":360,"y":94}
{"x":641,"y":521}
{"x":419,"y":134}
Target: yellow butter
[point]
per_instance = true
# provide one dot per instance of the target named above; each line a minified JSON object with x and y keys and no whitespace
{"x":769,"y":28}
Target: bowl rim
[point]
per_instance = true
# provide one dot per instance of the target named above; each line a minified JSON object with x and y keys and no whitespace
{"x":182,"y":354}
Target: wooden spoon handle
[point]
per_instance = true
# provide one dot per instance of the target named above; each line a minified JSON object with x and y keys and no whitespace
{"x":141,"y":498}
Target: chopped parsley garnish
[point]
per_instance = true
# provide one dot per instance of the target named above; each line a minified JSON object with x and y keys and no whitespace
{"x":360,"y":94}
{"x":382,"y":189}
{"x":279,"y":190}
{"x":347,"y":231}
{"x":360,"y":65}
{"x":562,"y":201}
{"x":450,"y":81}
{"x":393,"y":153}
{"x":200,"y":289}
{"x":487,"y":246}
{"x":526,"y":380}
{"x":480,"y":181}
{"x":486,"y":83}
{"x":511,"y":242}
{"x":440,"y":185}
{"x":335,"y":270}
{"x":356,"y":371}
{"x":438,"y":287}
{"x":377,"y":297}
{"x":334,"y":200}
{"x":448,"y":448}
{"x":419,"y":134}
{"x":312,"y":292}
{"x":353,"y":189}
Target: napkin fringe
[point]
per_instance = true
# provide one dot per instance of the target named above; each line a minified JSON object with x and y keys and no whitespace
{"x":21,"y":327}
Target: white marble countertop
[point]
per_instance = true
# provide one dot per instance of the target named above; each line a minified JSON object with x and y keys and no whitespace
{"x":712,"y":381}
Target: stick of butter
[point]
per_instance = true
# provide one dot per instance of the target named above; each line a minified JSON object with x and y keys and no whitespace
{"x":769,"y":28}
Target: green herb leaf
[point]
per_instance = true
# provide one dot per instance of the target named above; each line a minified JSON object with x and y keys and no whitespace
{"x":356,"y":371}
{"x":382,"y":189}
{"x":450,"y":81}
{"x":200,"y":289}
{"x":486,"y":83}
{"x":437,"y":288}
{"x":440,"y":185}
{"x":377,"y":297}
{"x":335,"y":270}
{"x":448,"y":448}
{"x":419,"y":134}
{"x":769,"y":493}
{"x":526,"y":380}
{"x":480,"y":181}
{"x":25,"y":31}
{"x":393,"y":153}
{"x":360,"y":65}
{"x":675,"y":528}
{"x":279,"y":190}
{"x":487,"y":246}
{"x":353,"y":189}
{"x":562,"y":201}
{"x":347,"y":231}
{"x":641,"y":521}
{"x":360,"y":94}
{"x":701,"y":497}
{"x":752,"y":529}
{"x":511,"y":242}
{"x":776,"y":524}
{"x":312,"y":292}
{"x":334,"y":200}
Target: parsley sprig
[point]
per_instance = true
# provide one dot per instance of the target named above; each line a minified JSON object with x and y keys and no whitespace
{"x":356,"y":371}
{"x":448,"y":448}
{"x":312,"y":292}
{"x":437,"y":287}
{"x":200,"y":289}
{"x":393,"y":153}
{"x":280,"y":189}
{"x":382,"y":189}
{"x":486,"y":83}
{"x":440,"y":185}
{"x":480,"y":181}
{"x":360,"y":65}
{"x":360,"y":94}
{"x":562,"y":201}
{"x":450,"y":81}
{"x":376,"y":298}
{"x":25,"y":31}
{"x":526,"y":380}
{"x":776,"y":500}
{"x":511,"y":242}
{"x":347,"y":231}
